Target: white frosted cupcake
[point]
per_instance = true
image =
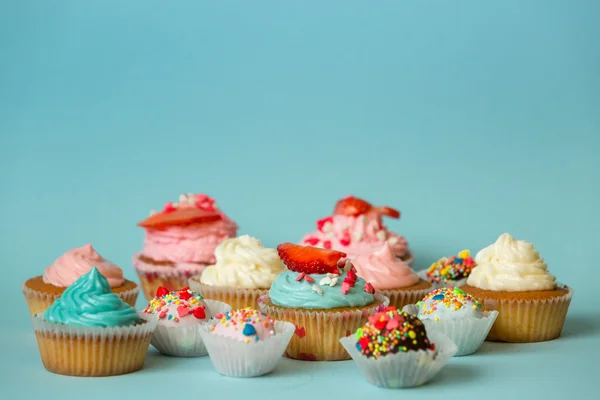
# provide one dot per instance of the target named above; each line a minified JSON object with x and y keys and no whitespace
{"x":243,"y":272}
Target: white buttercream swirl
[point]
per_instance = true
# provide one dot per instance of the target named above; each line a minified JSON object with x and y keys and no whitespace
{"x":243,"y":262}
{"x":511,"y":265}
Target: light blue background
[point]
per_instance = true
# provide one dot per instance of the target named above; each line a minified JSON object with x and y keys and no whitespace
{"x":473,"y":118}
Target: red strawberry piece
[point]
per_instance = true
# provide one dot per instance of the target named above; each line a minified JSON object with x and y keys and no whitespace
{"x":182,"y":311}
{"x":321,"y":222}
{"x":352,"y":206}
{"x":310,"y":260}
{"x":162,"y":291}
{"x":386,"y":211}
{"x":185,"y":295}
{"x":301,"y":332}
{"x":364,"y":342}
{"x":312,"y":241}
{"x":380,"y":325}
{"x":180,"y":216}
{"x":327,"y":244}
{"x":369,"y":288}
{"x":199,"y":313}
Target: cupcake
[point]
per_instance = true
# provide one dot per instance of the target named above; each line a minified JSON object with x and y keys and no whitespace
{"x":180,"y":315}
{"x":90,"y":331}
{"x":357,"y":229}
{"x":395,"y":350}
{"x":451,"y":271}
{"x":512,"y":278}
{"x":244,"y":271}
{"x":323,"y":297}
{"x":40,"y":292}
{"x":246,"y":343}
{"x":391,"y":277}
{"x":457,"y":315}
{"x":180,"y":242}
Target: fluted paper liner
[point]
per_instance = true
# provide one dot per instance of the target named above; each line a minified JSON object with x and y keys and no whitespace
{"x":403,"y":369}
{"x":318,"y":331}
{"x":168,"y":277}
{"x":237,"y":298}
{"x":233,"y":358}
{"x":38,"y":301}
{"x":423,"y":275}
{"x":92,"y":351}
{"x":466,"y":333}
{"x":527,"y":321}
{"x":400,"y":297}
{"x":184,"y":341}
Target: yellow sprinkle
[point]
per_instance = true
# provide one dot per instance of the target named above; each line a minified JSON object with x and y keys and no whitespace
{"x":437,"y":319}
{"x":412,"y":334}
{"x":464,"y":254}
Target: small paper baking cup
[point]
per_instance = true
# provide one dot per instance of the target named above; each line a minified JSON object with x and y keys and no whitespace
{"x":184,"y":341}
{"x":38,"y":301}
{"x":401,"y":297}
{"x":403,"y":369}
{"x":92,"y":351}
{"x":152,"y":277}
{"x":318,"y":332}
{"x":467,"y":333}
{"x":236,"y":297}
{"x":528,"y":321}
{"x":423,"y":275}
{"x":237,"y":359}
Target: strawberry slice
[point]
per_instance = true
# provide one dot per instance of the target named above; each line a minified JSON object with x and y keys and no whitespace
{"x":180,"y":216}
{"x":386,"y":211}
{"x":352,"y":206}
{"x":310,"y":260}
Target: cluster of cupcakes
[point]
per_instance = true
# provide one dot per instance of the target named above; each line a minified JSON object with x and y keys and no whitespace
{"x":345,"y":291}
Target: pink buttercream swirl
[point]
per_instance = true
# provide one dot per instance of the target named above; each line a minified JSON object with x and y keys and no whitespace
{"x":357,"y":235}
{"x":78,"y":262}
{"x":193,"y":243}
{"x":384,"y":270}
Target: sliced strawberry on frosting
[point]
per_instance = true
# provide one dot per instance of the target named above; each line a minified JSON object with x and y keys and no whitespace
{"x":310,"y":260}
{"x":180,"y":216}
{"x":386,"y":211}
{"x":353,"y":206}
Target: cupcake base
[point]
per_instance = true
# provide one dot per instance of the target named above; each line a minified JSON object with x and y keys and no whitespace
{"x":92,"y":351}
{"x":236,"y":297}
{"x":318,"y":332}
{"x":409,"y":295}
{"x":525,"y":317}
{"x":40,"y":295}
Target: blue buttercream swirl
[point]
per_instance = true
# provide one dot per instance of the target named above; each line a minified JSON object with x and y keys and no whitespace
{"x":90,"y":302}
{"x":287,"y":292}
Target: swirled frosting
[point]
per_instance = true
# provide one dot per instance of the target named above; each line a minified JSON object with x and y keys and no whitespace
{"x":78,"y":262}
{"x":243,"y":262}
{"x":511,"y":265}
{"x":384,"y":270}
{"x":89,"y":302}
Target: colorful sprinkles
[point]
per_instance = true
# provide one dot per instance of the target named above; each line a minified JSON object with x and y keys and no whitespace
{"x":451,"y":269}
{"x":392,"y":331}
{"x":172,"y":306}
{"x":450,"y":297}
{"x":247,"y":320}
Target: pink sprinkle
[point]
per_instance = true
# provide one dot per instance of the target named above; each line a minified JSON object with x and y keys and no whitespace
{"x":309,"y":278}
{"x":327,"y":244}
{"x":369,"y":288}
{"x":345,"y":287}
{"x":300,"y":277}
{"x":182,"y":311}
{"x":169,"y":207}
{"x":313,"y":241}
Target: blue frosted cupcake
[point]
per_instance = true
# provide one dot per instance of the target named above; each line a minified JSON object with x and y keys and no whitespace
{"x":90,"y":331}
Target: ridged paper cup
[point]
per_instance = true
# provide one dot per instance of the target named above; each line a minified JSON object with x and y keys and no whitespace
{"x":184,"y":341}
{"x":92,"y":351}
{"x":237,"y":359}
{"x":528,"y":321}
{"x":237,"y":298}
{"x":39,"y":301}
{"x":401,"y":297}
{"x":318,"y":332}
{"x":403,"y":369}
{"x":466,"y":333}
{"x":423,"y":275}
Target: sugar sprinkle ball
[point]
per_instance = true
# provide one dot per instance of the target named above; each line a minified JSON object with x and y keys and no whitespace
{"x":245,"y":325}
{"x":447,"y":300}
{"x":392,"y":331}
{"x":182,"y":306}
{"x":451,"y":269}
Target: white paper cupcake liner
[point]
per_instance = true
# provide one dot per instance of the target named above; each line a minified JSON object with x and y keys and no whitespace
{"x":423,"y":275}
{"x":92,"y":351}
{"x":466,"y":333}
{"x":236,"y":297}
{"x":244,"y":360}
{"x":404,"y":369}
{"x":399,"y":297}
{"x":184,"y":341}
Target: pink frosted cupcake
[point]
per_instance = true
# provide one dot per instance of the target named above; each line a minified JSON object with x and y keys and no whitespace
{"x":180,"y":241}
{"x":41,"y":291}
{"x":356,"y":228}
